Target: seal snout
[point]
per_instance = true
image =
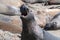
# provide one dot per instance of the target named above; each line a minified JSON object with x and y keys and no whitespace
{"x":24,"y":10}
{"x":50,"y":26}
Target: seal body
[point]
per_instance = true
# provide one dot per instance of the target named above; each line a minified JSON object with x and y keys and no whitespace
{"x":54,"y":23}
{"x":30,"y":30}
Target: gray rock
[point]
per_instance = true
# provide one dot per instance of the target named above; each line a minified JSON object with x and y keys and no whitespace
{"x":5,"y":35}
{"x":34,"y":1}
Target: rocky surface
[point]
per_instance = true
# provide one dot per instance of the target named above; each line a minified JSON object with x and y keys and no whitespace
{"x":43,"y":14}
{"x":10,"y":23}
{"x":15,"y":3}
{"x":5,"y":35}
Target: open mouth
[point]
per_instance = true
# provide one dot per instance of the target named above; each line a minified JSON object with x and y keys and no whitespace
{"x":24,"y":14}
{"x":24,"y":10}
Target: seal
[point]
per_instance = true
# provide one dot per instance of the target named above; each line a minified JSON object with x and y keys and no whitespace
{"x":54,"y":23}
{"x":30,"y":30}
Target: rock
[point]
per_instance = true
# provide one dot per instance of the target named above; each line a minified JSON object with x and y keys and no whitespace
{"x":10,"y":23}
{"x":34,"y":1}
{"x":5,"y":35}
{"x":54,"y":1}
{"x":15,"y":3}
{"x":55,"y":32}
{"x":11,"y":10}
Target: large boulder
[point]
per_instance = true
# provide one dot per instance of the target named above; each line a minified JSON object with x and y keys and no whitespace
{"x":15,"y":3}
{"x":54,"y":1}
{"x":5,"y":35}
{"x":10,"y":23}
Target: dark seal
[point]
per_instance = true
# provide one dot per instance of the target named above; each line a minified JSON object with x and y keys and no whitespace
{"x":30,"y":30}
{"x":54,"y":23}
